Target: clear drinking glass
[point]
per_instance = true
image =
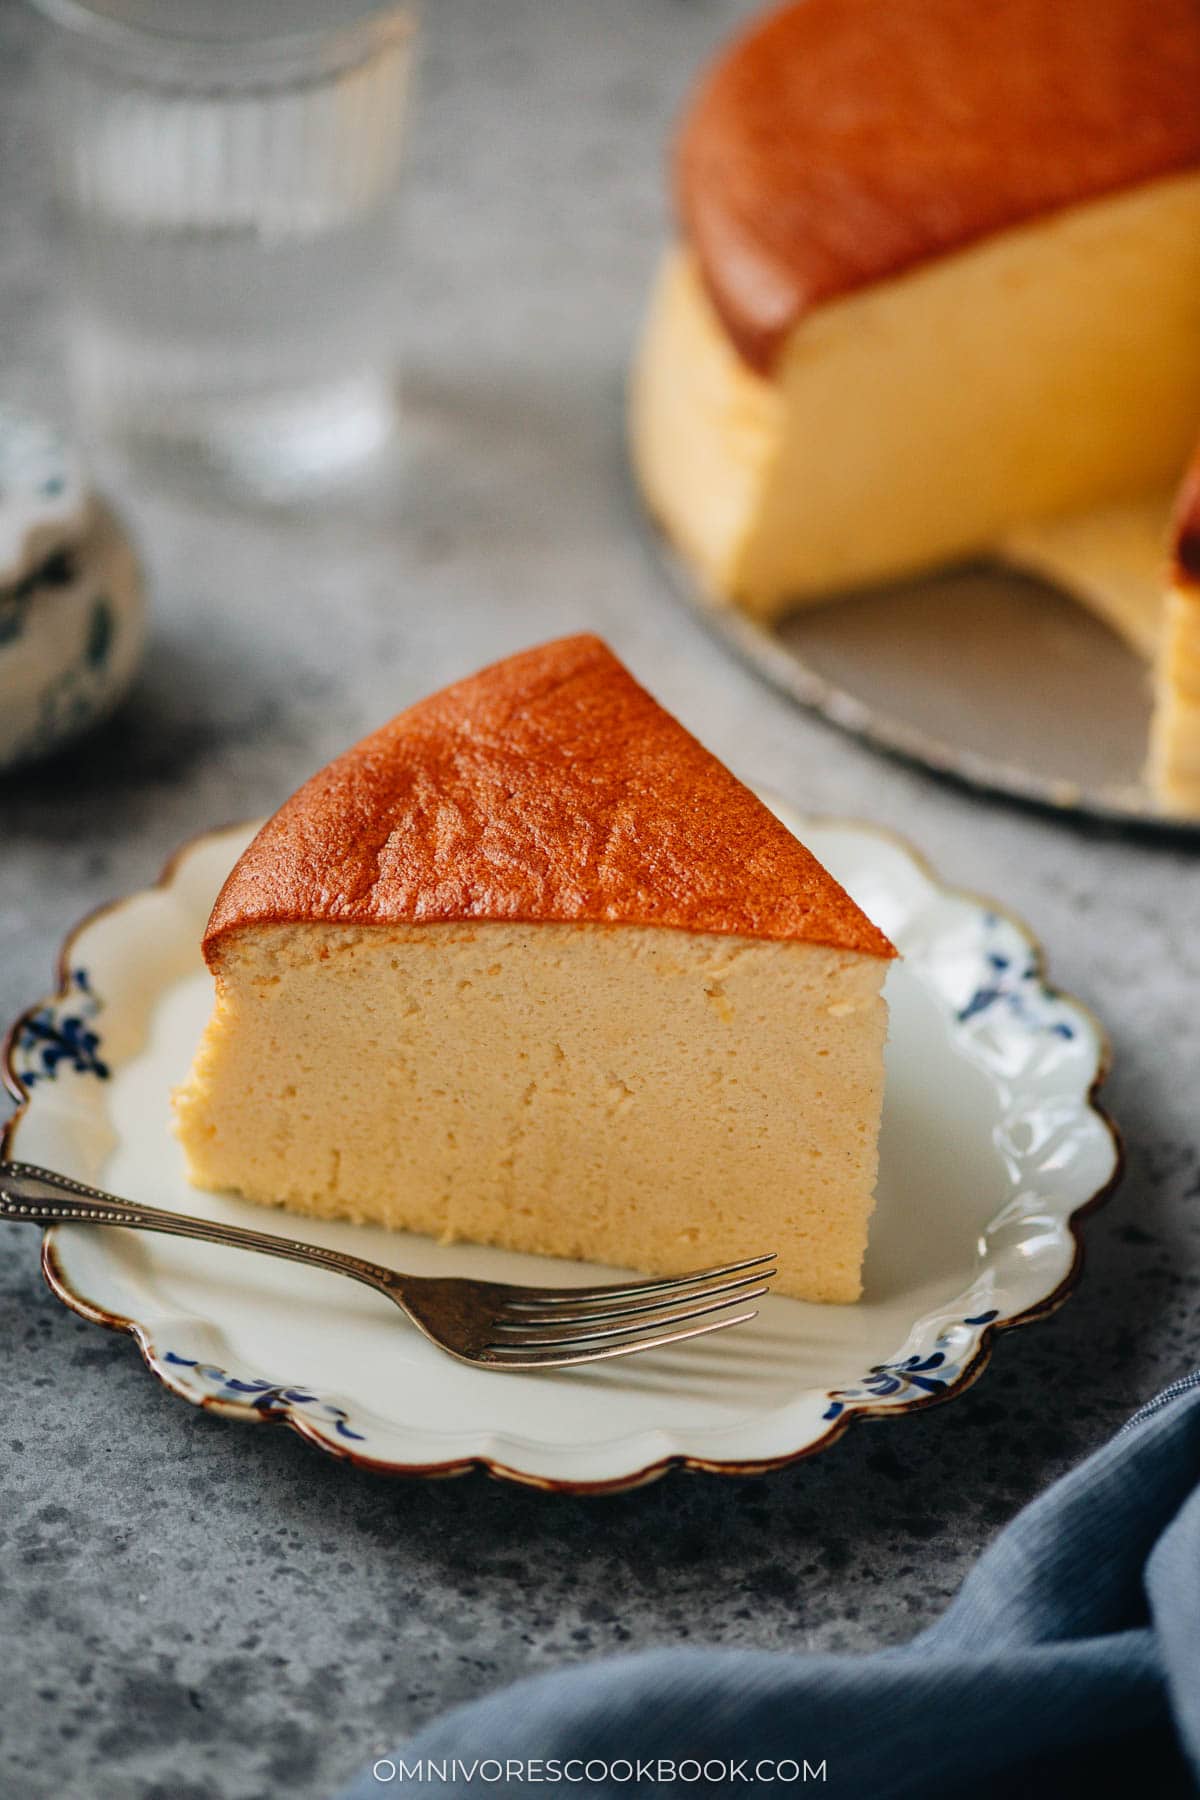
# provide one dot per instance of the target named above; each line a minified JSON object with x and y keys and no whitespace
{"x":229,"y":173}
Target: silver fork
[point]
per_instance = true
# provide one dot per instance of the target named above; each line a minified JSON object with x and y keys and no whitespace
{"x":489,"y":1324}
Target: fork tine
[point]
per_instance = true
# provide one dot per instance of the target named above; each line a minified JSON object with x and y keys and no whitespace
{"x":554,"y":1359}
{"x":601,"y":1315}
{"x":632,"y":1290}
{"x":571,"y":1337}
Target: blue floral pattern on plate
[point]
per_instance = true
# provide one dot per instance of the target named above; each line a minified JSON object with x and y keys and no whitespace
{"x":62,"y":1034}
{"x":271,"y":1398}
{"x":910,"y":1377}
{"x":1015,"y":983}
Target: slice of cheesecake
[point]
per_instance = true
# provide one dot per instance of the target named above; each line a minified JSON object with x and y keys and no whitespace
{"x":530,"y":967}
{"x":1175,"y":736}
{"x":938,"y":277}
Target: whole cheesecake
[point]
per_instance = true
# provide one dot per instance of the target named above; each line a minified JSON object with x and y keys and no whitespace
{"x":530,"y":967}
{"x":936,"y":293}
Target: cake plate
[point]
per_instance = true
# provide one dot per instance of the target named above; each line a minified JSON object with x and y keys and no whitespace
{"x":993,"y":1148}
{"x":981,"y":673}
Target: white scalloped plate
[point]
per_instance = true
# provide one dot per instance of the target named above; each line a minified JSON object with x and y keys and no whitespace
{"x":992,"y":1148}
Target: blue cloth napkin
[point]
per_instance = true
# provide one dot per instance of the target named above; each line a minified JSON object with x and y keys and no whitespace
{"x":1068,"y":1663}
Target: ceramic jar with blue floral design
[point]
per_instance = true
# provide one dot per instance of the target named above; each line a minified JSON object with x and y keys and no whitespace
{"x":71,"y":602}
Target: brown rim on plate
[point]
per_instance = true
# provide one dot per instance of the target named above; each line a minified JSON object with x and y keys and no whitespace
{"x":286,"y":1413}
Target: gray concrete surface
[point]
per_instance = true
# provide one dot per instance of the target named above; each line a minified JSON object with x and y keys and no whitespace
{"x":192,"y":1609}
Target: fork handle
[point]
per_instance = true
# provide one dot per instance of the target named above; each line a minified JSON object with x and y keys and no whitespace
{"x":34,"y":1196}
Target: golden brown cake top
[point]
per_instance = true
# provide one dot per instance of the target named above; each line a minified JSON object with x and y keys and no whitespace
{"x":1185,"y":527}
{"x":839,"y":142}
{"x":547,"y":788}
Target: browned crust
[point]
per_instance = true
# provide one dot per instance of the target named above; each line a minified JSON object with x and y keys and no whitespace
{"x":548,"y":789}
{"x":840,"y":142}
{"x":295,"y":1419}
